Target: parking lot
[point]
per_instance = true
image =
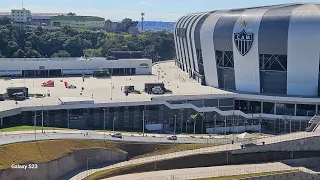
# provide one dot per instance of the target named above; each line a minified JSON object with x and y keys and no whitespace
{"x":107,"y":90}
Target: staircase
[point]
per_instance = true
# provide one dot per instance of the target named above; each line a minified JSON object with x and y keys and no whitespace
{"x":314,"y":124}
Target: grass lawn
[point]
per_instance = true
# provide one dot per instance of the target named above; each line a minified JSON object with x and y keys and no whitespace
{"x":249,"y":175}
{"x":44,"y":151}
{"x":28,"y":128}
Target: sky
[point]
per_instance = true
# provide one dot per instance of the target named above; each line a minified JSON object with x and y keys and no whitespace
{"x":155,"y":10}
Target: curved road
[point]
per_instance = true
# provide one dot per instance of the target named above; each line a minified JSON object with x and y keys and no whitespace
{"x":13,"y":137}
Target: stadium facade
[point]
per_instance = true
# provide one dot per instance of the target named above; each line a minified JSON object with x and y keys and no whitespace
{"x":269,"y":49}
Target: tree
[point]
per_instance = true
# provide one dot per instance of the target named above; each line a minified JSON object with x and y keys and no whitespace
{"x":61,"y":53}
{"x":4,"y":20}
{"x":127,"y":23}
{"x":19,"y":54}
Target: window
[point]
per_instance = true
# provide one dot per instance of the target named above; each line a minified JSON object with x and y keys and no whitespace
{"x":224,"y":59}
{"x":273,"y":62}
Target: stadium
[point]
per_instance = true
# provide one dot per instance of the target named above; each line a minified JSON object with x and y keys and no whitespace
{"x":271,"y":49}
{"x":254,"y":69}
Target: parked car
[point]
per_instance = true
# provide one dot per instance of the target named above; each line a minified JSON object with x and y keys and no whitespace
{"x":116,"y":135}
{"x":172,"y":137}
{"x":71,"y":86}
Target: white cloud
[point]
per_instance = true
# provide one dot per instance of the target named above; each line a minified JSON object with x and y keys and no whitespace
{"x":115,"y":15}
{"x":143,"y":2}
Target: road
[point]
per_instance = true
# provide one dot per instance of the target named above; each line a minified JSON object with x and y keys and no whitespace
{"x":7,"y":138}
{"x":207,"y":172}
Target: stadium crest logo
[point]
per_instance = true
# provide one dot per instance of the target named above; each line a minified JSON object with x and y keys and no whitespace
{"x":243,"y":40}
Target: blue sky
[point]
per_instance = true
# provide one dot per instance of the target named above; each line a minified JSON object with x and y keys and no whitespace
{"x":164,"y":10}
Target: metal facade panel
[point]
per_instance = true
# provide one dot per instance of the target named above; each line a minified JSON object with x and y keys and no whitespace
{"x":207,"y":46}
{"x":179,"y":55}
{"x":303,"y":51}
{"x":190,"y":41}
{"x":273,"y":82}
{"x":195,"y":39}
{"x":273,"y":33}
{"x":226,"y":78}
{"x":184,"y":48}
{"x":176,"y":37}
{"x":223,"y":31}
{"x":247,"y":73}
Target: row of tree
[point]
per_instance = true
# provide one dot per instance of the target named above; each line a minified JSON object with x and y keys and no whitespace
{"x":19,"y":42}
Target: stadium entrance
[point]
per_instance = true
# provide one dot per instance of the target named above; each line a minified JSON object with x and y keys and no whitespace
{"x":42,"y":73}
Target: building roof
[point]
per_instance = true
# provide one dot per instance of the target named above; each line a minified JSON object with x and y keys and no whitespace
{"x":77,"y":18}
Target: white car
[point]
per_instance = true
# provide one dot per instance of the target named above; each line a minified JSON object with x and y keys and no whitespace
{"x":71,"y":86}
{"x":116,"y":135}
{"x":172,"y":137}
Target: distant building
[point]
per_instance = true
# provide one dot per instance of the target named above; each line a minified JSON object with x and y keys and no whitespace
{"x":21,"y":16}
{"x":113,"y":27}
{"x":88,"y":22}
{"x":133,"y":30}
{"x":39,"y":19}
{"x":5,"y":15}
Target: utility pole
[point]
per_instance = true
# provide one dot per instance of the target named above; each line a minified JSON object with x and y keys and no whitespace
{"x":215,"y":123}
{"x":143,"y":123}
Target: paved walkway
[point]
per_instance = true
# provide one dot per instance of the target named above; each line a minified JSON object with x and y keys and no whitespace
{"x":206,"y":172}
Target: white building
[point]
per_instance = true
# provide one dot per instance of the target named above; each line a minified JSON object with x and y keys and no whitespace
{"x":57,"y":67}
{"x":21,"y":15}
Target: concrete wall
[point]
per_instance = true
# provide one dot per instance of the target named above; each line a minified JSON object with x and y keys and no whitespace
{"x":286,"y":176}
{"x":58,"y":168}
{"x":310,"y":163}
{"x":304,"y":144}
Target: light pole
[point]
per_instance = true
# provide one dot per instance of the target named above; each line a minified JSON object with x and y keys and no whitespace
{"x":68,"y":118}
{"x":42,"y":119}
{"x":194,"y":126}
{"x":187,"y":126}
{"x":88,"y":166}
{"x":104,"y":123}
{"x":175,"y":124}
{"x":143,"y":123}
{"x":225,"y":127}
{"x":114,"y":119}
{"x":224,"y":81}
{"x":215,"y":123}
{"x":35,"y":125}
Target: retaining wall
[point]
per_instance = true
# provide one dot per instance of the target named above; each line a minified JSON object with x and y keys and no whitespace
{"x":286,"y":176}
{"x":62,"y":166}
{"x":304,"y":144}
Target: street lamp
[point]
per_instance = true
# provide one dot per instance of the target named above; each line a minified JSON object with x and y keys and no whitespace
{"x":88,"y":166}
{"x":175,"y":124}
{"x":114,"y":119}
{"x":224,"y":81}
{"x":187,"y":121}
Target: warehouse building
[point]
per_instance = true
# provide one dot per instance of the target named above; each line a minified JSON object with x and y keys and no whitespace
{"x":88,"y":22}
{"x":57,"y":67}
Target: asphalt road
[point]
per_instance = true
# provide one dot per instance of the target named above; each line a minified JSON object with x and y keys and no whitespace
{"x":6,"y":138}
